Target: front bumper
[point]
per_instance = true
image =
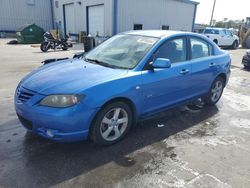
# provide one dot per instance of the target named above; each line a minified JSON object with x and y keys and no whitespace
{"x":59,"y":124}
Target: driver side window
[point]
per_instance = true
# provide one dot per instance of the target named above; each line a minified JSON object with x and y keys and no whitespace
{"x":174,"y":50}
{"x":229,"y":33}
{"x":223,"y":33}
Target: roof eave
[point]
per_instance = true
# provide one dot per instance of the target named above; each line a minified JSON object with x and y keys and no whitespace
{"x":189,"y":1}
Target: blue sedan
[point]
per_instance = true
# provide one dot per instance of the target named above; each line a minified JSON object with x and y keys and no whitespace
{"x":129,"y":77}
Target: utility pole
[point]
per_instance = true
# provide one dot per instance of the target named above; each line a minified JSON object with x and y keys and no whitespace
{"x":212,"y":16}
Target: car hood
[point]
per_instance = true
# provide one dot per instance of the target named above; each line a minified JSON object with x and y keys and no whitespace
{"x":69,"y":77}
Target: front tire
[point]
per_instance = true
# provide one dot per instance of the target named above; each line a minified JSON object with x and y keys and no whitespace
{"x":111,"y":124}
{"x":215,"y":92}
{"x":44,"y":46}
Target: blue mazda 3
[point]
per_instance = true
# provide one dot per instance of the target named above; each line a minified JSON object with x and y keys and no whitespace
{"x":129,"y":77}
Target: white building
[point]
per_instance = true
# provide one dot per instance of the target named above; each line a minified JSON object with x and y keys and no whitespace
{"x":15,"y":13}
{"x":109,"y":17}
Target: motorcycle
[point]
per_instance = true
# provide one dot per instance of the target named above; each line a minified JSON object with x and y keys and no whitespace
{"x":51,"y":43}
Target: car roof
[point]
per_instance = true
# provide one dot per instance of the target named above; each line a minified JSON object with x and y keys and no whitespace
{"x":215,"y":28}
{"x":157,"y":33}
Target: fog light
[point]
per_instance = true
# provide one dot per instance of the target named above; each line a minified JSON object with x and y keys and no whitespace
{"x":50,"y":133}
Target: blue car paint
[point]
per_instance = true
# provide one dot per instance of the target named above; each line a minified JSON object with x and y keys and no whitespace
{"x":158,"y":95}
{"x":150,"y":91}
{"x":49,"y":79}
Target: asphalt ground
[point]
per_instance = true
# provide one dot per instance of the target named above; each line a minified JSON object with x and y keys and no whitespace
{"x":184,"y":147}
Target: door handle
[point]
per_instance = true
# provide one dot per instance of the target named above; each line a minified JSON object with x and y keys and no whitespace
{"x":212,"y":64}
{"x":184,"y":71}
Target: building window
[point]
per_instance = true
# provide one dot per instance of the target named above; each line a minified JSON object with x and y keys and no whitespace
{"x":138,"y":26}
{"x":31,"y":2}
{"x":165,"y":27}
{"x":56,"y":4}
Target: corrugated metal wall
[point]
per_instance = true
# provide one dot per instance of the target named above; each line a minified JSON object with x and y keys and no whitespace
{"x":151,"y":13}
{"x":81,"y":14}
{"x":14,"y":13}
{"x":155,"y":13}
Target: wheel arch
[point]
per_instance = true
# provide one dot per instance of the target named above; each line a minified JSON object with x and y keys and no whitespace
{"x":223,"y":76}
{"x":126,"y":100}
{"x":237,"y":41}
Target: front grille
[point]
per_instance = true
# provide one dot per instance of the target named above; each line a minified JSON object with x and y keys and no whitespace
{"x":26,"y":123}
{"x":23,"y":95}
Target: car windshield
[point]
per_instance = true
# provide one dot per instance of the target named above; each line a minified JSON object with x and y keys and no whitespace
{"x":121,"y":51}
{"x":211,"y":31}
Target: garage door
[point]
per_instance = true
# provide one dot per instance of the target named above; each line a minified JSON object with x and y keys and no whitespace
{"x":96,"y":20}
{"x":69,"y":19}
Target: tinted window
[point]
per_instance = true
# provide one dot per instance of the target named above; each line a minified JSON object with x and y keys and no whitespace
{"x":138,"y":26}
{"x":165,"y":27}
{"x":200,"y":48}
{"x":211,"y":31}
{"x":174,"y":50}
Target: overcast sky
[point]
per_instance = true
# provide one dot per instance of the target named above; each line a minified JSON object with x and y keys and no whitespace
{"x":232,"y":9}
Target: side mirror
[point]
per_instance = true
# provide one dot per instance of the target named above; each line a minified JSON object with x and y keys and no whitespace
{"x":79,"y":55}
{"x":161,"y":63}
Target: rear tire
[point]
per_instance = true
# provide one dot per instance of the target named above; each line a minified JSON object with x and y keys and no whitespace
{"x":111,"y":124}
{"x":44,"y":46}
{"x":215,"y":92}
{"x":235,"y":45}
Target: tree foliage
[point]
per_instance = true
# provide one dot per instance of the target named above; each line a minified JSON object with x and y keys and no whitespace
{"x":228,"y":23}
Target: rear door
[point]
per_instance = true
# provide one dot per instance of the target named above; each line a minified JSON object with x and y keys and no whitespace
{"x":166,"y":87}
{"x":203,"y":65}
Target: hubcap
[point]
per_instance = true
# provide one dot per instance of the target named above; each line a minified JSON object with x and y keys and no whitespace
{"x":114,"y":124}
{"x":216,"y":91}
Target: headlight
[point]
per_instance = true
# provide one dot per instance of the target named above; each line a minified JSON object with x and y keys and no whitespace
{"x":61,"y":101}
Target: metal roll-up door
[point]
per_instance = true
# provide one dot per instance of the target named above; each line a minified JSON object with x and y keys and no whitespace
{"x":96,"y":20}
{"x":69,"y":18}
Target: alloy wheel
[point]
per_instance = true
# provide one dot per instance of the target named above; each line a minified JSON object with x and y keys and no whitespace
{"x":216,"y":90}
{"x":114,"y":124}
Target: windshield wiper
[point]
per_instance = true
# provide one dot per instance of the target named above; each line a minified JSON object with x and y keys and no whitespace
{"x":92,"y":60}
{"x":101,"y":63}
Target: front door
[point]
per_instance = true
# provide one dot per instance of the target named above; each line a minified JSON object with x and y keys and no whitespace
{"x":166,"y":87}
{"x":230,"y":38}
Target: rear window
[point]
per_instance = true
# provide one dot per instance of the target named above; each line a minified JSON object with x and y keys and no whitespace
{"x":211,"y":31}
